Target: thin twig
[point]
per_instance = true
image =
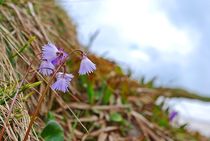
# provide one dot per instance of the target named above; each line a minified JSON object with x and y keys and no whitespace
{"x":83,"y":106}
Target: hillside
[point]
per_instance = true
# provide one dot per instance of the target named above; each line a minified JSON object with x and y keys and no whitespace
{"x":104,"y":105}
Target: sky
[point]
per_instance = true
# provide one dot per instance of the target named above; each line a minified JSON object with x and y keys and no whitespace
{"x":193,"y":14}
{"x":163,"y":39}
{"x":168,"y":39}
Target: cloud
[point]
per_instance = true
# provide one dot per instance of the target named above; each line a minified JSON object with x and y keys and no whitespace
{"x":142,"y":22}
{"x":162,"y":38}
{"x":194,"y":15}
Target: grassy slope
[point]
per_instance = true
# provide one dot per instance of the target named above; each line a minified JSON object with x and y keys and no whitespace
{"x":108,"y":103}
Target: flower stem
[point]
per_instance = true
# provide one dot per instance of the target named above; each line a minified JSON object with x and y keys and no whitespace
{"x":33,"y":118}
{"x":77,"y":50}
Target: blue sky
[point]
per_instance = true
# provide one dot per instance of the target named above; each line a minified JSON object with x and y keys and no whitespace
{"x":167,"y":39}
{"x":193,"y":14}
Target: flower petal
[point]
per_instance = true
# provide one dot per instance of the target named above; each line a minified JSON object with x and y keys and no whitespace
{"x":86,"y":66}
{"x":49,"y":52}
{"x":60,"y":57}
{"x":46,"y":68}
{"x":62,"y":82}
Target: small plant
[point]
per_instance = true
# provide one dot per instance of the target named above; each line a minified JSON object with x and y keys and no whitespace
{"x":53,"y":57}
{"x":53,"y":60}
{"x":53,"y":130}
{"x":1,"y":2}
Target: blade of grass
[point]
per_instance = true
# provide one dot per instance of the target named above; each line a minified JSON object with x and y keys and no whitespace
{"x":12,"y":105}
{"x":31,"y":39}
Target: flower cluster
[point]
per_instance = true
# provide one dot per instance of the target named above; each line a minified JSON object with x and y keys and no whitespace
{"x":52,"y":57}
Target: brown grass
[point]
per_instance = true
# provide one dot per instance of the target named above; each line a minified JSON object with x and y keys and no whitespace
{"x":27,"y":25}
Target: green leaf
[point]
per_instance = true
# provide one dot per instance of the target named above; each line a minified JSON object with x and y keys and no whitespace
{"x":150,"y":83}
{"x":91,"y":93}
{"x":118,"y":70}
{"x":30,"y":85}
{"x":31,"y":39}
{"x":106,"y":96}
{"x":9,"y":95}
{"x":163,"y":123}
{"x":53,"y":132}
{"x":1,"y":2}
{"x":116,"y":117}
{"x":50,"y":116}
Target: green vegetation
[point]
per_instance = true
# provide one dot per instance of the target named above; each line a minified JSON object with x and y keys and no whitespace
{"x":52,"y":131}
{"x":106,"y":105}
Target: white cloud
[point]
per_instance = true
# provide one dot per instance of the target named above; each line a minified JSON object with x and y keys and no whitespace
{"x":162,"y":48}
{"x":140,"y":21}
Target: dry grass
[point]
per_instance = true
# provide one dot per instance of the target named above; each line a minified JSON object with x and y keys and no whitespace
{"x":27,"y":25}
{"x":22,"y":34}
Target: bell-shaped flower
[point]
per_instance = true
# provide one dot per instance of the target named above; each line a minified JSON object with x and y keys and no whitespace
{"x":53,"y":54}
{"x":46,"y":67}
{"x":49,"y":52}
{"x":61,"y":56}
{"x":86,"y":66}
{"x":62,"y":82}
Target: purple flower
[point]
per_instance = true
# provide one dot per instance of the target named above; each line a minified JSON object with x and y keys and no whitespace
{"x":53,"y":54}
{"x":61,"y":56}
{"x":62,"y":82}
{"x":46,"y":68}
{"x":49,"y":52}
{"x":172,"y":115}
{"x":86,"y":66}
